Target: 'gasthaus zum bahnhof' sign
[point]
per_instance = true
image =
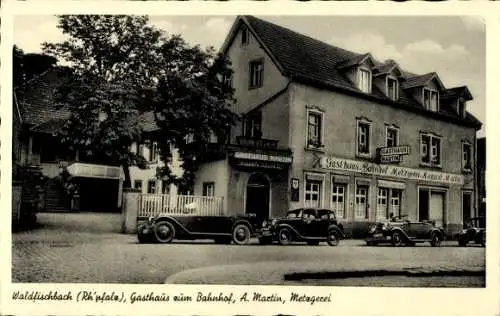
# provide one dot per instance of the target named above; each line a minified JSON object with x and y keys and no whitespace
{"x":341,"y":164}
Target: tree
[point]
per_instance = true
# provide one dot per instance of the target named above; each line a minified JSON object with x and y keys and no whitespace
{"x":113,"y":57}
{"x":26,"y":66}
{"x":125,"y":67}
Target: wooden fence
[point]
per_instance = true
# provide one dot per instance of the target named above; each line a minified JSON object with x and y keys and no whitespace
{"x":156,"y":204}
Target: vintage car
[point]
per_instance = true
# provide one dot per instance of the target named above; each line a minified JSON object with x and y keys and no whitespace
{"x":405,"y":232}
{"x":222,"y":229}
{"x":303,"y":225}
{"x":474,"y":230}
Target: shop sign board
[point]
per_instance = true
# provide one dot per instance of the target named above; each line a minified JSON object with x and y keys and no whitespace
{"x":397,"y":150}
{"x":262,"y":157}
{"x":341,"y":164}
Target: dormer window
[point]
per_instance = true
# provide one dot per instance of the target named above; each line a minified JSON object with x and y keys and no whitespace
{"x":431,"y":99}
{"x":461,"y":107}
{"x":365,"y":80}
{"x":392,"y":88}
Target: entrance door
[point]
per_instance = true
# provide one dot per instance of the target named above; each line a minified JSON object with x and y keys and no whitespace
{"x":436,"y":209}
{"x":257,"y":199}
{"x":466,"y":206}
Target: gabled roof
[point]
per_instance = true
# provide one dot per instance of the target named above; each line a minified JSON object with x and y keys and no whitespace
{"x":304,"y":59}
{"x":422,"y":80}
{"x":356,"y":60}
{"x":388,"y":67}
{"x":458,"y":92}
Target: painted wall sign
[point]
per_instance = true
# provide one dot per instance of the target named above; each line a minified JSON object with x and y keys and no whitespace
{"x":262,"y":157}
{"x":398,"y":150}
{"x":260,"y":164}
{"x":334,"y":163}
{"x":295,"y":184}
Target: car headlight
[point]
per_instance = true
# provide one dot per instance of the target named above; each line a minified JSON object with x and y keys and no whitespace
{"x":264,"y":223}
{"x":273,"y":222}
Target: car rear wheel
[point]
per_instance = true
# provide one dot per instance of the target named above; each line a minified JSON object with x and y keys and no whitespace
{"x":332,"y":238}
{"x":435,"y":240}
{"x":164,"y":232}
{"x":284,"y":236}
{"x":241,"y":234}
{"x":397,"y":239}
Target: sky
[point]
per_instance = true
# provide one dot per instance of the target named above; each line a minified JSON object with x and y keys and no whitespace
{"x":452,"y":46}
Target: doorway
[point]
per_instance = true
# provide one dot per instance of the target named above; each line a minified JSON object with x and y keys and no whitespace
{"x":431,"y":206}
{"x":257,"y":196}
{"x":466,"y":206}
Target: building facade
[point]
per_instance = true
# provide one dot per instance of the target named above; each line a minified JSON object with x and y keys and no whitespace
{"x":325,"y":127}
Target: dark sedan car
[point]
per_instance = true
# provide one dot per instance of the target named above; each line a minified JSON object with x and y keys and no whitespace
{"x":474,"y":231}
{"x":222,"y":229}
{"x":303,"y":225}
{"x":405,"y":232}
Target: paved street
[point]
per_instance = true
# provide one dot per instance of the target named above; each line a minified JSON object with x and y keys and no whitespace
{"x":88,"y":248}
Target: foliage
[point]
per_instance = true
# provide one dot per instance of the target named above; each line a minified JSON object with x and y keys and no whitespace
{"x":125,"y":67}
{"x":68,"y":183}
{"x":26,"y":66}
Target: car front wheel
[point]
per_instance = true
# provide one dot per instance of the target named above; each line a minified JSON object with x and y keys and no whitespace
{"x":435,"y":240}
{"x":284,"y":236}
{"x":397,"y":239}
{"x":332,"y":238}
{"x":241,"y":234}
{"x":164,"y":232}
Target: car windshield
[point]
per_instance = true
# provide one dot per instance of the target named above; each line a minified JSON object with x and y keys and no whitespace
{"x":294,"y":214}
{"x":326,"y":214}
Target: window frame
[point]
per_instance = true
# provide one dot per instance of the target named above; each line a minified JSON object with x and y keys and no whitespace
{"x":140,"y":186}
{"x":367,"y":199}
{"x":431,"y":137}
{"x":431,"y":91}
{"x":321,"y":129}
{"x":154,"y":187}
{"x":389,"y":128}
{"x":363,"y":121}
{"x":389,"y":201}
{"x":254,"y":119}
{"x":337,"y":195}
{"x":396,"y":87}
{"x":319,"y":192}
{"x":256,"y":62}
{"x":464,"y":166}
{"x":368,"y":71}
{"x":206,"y":186}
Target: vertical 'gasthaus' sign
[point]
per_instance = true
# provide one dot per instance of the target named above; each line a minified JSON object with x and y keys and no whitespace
{"x":334,"y":163}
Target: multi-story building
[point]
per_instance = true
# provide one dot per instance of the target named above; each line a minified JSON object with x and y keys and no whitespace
{"x":481,"y":175}
{"x":326,"y":127}
{"x":37,"y":122}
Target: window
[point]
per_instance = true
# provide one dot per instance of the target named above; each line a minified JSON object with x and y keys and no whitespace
{"x":388,"y":203}
{"x":152,"y":186}
{"x":138,"y":185}
{"x":244,"y":36}
{"x":430,"y":150}
{"x":461,"y":107}
{"x":431,"y":100}
{"x":165,"y":187}
{"x":365,"y":80}
{"x":312,"y":192}
{"x":392,"y":88}
{"x":466,"y":156}
{"x":208,"y":188}
{"x":391,"y":137}
{"x":363,"y":145}
{"x":361,"y":201}
{"x":227,"y":79}
{"x":256,"y":73}
{"x":338,"y":199}
{"x":252,"y":125}
{"x":153,"y":151}
{"x":314,"y":129}
{"x":309,"y":214}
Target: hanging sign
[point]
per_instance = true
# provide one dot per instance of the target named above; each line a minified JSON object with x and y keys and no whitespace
{"x":295,"y":189}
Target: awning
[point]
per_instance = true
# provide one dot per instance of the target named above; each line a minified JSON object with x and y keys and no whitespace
{"x":315,"y":176}
{"x":79,"y":169}
{"x":391,"y":184}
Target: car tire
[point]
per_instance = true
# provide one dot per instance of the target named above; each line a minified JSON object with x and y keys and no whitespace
{"x":333,"y":238}
{"x":241,"y":234}
{"x":284,"y":236}
{"x":397,"y":239}
{"x":144,"y":235}
{"x":313,"y":242}
{"x":164,"y":232}
{"x":435,"y":240}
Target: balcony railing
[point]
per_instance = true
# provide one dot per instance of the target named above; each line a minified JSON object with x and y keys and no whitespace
{"x":156,"y":204}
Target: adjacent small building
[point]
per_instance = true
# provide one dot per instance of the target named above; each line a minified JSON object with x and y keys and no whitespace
{"x":326,"y":127}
